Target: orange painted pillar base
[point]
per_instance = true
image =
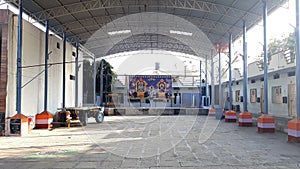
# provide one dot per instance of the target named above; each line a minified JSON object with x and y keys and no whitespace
{"x":294,"y":131}
{"x":245,"y":119}
{"x":266,"y":124}
{"x":230,"y":116}
{"x":43,"y":120}
{"x":18,"y":125}
{"x":212,"y":112}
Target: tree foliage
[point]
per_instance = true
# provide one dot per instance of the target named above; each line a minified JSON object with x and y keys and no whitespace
{"x":88,"y":79}
{"x":285,"y":46}
{"x":108,"y":76}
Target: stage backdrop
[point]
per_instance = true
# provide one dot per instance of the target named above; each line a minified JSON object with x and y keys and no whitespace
{"x":153,"y":86}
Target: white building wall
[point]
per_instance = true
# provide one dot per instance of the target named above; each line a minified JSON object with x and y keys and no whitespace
{"x":277,"y":64}
{"x":70,"y":70}
{"x":11,"y":68}
{"x":236,"y":87}
{"x":253,"y":70}
{"x":255,"y":107}
{"x":279,"y":109}
{"x":80,"y":78}
{"x":33,"y":54}
{"x":55,"y":73}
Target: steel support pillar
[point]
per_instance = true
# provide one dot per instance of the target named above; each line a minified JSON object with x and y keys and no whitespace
{"x":265,"y":123}
{"x":212,"y":97}
{"x":200,"y":84}
{"x":19,"y":59}
{"x":230,"y":78}
{"x":64,"y":72}
{"x":94,"y":91}
{"x":76,"y":74}
{"x":220,"y":80}
{"x":230,"y":115}
{"x":245,"y":118}
{"x":206,"y":84}
{"x":46,"y":65}
{"x":101,"y":83}
{"x":245,"y":84}
{"x":266,"y":98}
{"x":298,"y":57}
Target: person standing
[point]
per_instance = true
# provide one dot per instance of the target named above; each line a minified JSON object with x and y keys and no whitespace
{"x":227,"y":104}
{"x":226,"y":107}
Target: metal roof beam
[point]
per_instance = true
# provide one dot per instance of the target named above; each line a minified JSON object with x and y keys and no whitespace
{"x":122,"y":47}
{"x":89,"y":23}
{"x":150,"y":41}
{"x":84,"y":37}
{"x":219,"y":9}
{"x":208,"y":7}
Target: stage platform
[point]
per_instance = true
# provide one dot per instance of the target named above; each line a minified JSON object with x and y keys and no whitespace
{"x":132,"y":111}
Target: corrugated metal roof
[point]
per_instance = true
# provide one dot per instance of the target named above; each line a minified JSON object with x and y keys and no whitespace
{"x":80,"y":19}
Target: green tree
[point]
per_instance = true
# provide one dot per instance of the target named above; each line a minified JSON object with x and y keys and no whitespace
{"x":285,"y":46}
{"x":108,"y":77}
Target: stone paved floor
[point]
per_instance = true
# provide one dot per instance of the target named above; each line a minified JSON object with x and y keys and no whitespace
{"x":151,"y":142}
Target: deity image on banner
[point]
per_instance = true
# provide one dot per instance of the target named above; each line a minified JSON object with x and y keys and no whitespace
{"x":161,"y":88}
{"x":152,"y":86}
{"x":141,"y":87}
{"x":151,"y":91}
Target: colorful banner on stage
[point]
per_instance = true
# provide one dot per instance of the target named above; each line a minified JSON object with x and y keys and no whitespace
{"x":153,"y":86}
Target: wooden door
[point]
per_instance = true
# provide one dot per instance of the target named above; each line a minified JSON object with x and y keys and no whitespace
{"x":292,"y":99}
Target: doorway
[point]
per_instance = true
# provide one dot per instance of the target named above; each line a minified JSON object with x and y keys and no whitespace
{"x":292,"y":100}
